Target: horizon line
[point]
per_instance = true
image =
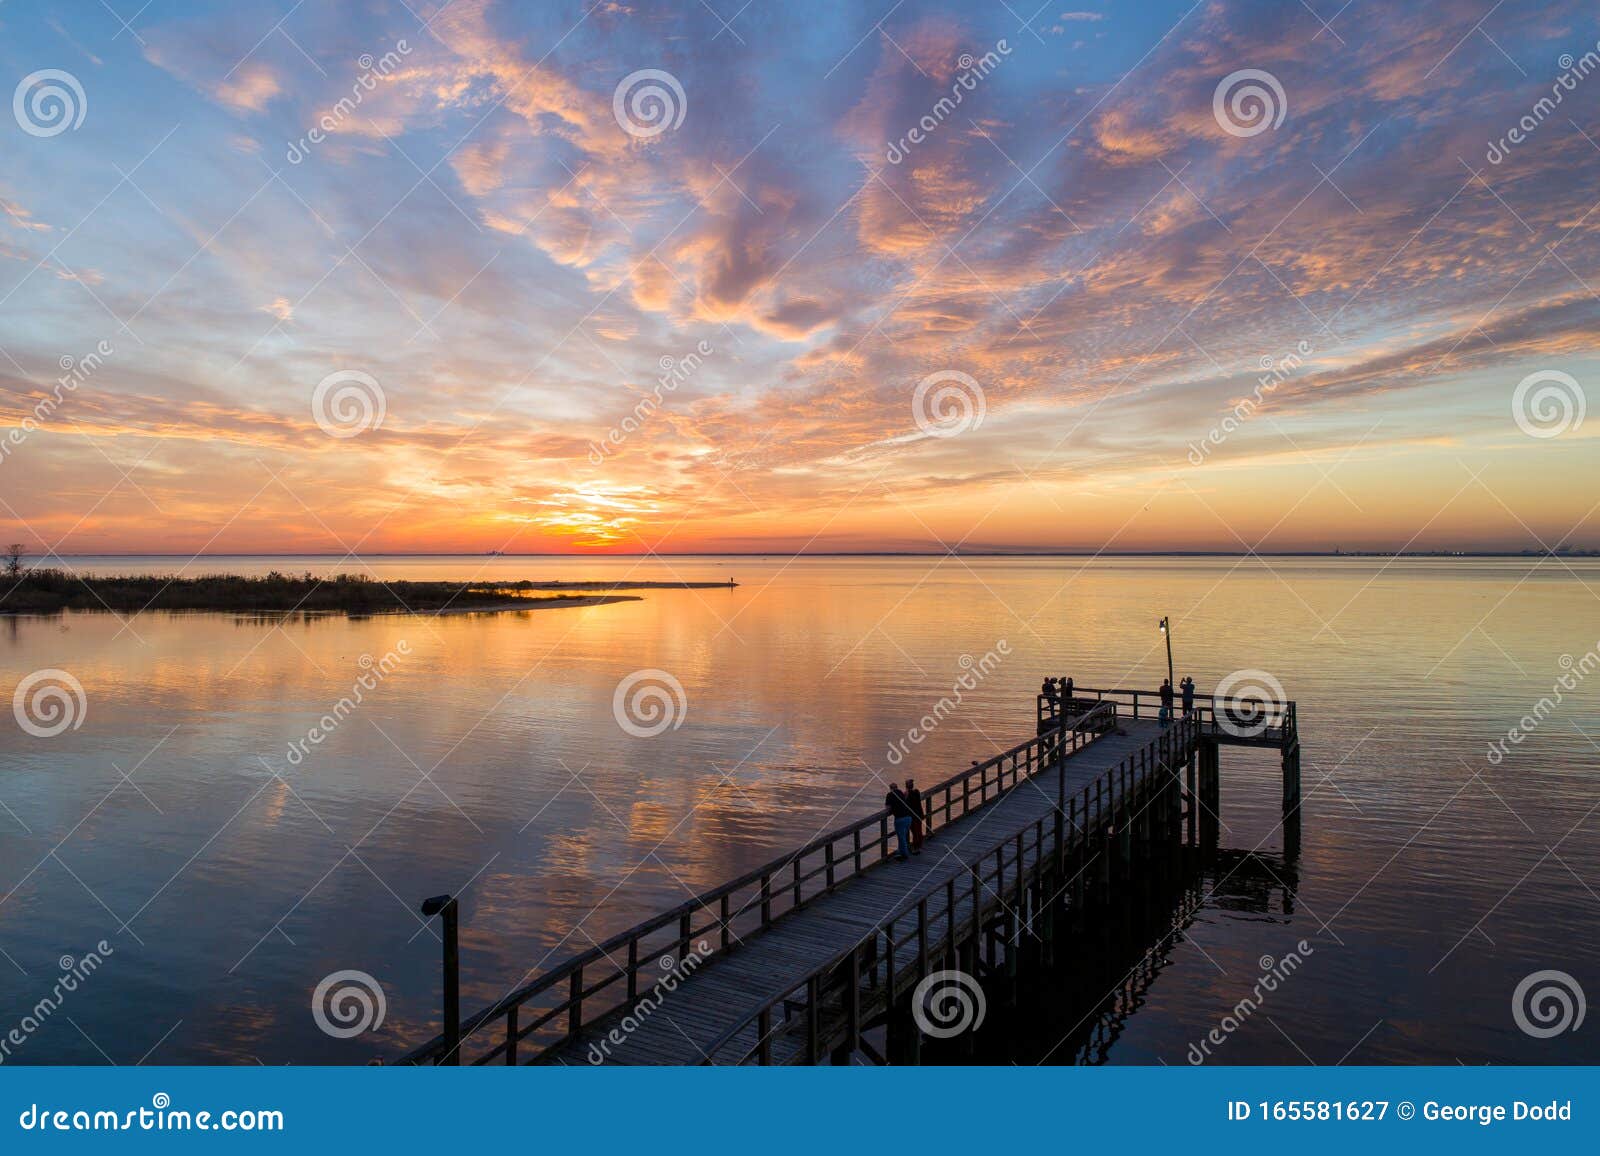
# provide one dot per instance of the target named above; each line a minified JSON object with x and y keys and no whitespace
{"x":1432,"y":553}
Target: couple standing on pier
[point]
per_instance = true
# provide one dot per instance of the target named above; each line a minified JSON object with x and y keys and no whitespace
{"x":1186,"y":687}
{"x":905,"y":808}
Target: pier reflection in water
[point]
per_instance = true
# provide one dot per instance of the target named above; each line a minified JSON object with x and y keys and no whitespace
{"x":1077,"y":1007}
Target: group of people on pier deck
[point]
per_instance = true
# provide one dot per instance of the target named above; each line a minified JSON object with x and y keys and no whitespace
{"x":905,"y":808}
{"x":1059,"y":691}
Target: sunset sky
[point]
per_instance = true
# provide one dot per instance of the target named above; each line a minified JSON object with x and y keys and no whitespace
{"x":1091,"y":248}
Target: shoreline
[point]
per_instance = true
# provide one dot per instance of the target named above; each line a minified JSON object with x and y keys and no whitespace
{"x":56,"y":591}
{"x":509,"y":606}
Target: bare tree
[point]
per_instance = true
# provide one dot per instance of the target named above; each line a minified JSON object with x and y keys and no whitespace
{"x":14,"y":559}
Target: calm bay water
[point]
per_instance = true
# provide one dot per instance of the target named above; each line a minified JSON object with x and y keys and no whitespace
{"x":229,"y":877}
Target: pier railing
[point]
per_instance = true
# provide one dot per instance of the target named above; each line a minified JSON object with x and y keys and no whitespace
{"x":553,"y":1008}
{"x":797,"y":1024}
{"x":1242,"y":718}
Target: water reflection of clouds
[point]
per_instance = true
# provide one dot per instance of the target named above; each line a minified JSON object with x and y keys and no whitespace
{"x":502,"y":709}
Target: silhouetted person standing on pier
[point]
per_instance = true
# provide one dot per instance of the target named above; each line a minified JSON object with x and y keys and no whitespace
{"x":914,"y":801}
{"x":1166,"y":701}
{"x":1187,"y":686}
{"x":900,"y":812}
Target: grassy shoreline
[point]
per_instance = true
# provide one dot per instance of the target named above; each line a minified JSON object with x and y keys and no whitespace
{"x":49,"y":591}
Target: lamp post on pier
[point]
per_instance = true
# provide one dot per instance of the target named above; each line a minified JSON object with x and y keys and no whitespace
{"x":1166,"y":631}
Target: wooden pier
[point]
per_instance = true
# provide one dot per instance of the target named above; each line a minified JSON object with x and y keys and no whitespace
{"x":800,"y":960}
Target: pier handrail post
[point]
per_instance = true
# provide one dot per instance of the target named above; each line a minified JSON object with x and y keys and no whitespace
{"x":813,"y":1018}
{"x":445,"y":907}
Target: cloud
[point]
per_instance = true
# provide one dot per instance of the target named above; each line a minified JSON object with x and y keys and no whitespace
{"x":21,"y":218}
{"x":1093,"y":248}
{"x":480,"y":166}
{"x":797,"y":319}
{"x":250,"y":88}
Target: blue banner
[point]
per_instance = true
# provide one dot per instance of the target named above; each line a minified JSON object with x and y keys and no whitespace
{"x":796,"y":1110}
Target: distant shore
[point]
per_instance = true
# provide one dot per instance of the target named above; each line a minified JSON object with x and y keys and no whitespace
{"x":49,"y":591}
